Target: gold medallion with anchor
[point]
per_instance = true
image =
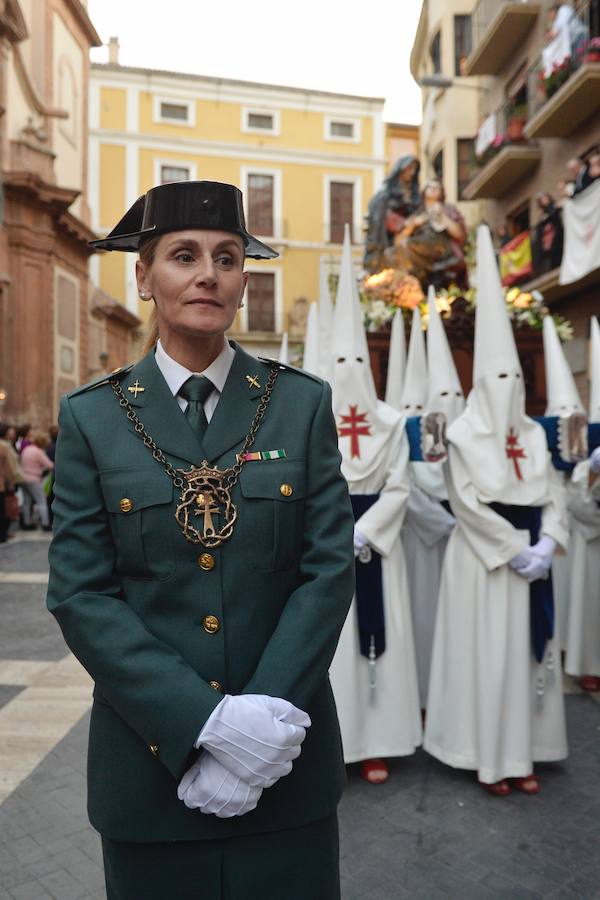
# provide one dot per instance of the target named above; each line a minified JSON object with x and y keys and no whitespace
{"x":205,"y":490}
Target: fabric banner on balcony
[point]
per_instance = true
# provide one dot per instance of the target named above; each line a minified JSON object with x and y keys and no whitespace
{"x":486,"y":134}
{"x":581,"y":220}
{"x":515,"y":259}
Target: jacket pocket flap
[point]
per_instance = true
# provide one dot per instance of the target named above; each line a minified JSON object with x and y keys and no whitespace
{"x":283,"y":479}
{"x":129,"y":490}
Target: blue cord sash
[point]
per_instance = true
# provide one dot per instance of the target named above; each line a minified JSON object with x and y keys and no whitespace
{"x":541,"y":592}
{"x":369,"y":589}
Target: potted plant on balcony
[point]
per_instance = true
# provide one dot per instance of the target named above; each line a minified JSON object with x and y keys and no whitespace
{"x":592,"y":51}
{"x":500,"y":141}
{"x":557,"y":77}
{"x":516,"y":119}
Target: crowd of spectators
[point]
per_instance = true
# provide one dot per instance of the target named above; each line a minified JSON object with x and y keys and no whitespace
{"x":26,"y":467}
{"x":546,"y":234}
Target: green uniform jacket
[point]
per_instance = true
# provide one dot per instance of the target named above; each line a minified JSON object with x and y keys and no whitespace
{"x":131,"y":597}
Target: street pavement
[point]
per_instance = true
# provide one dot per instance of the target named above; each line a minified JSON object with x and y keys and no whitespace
{"x":429,"y":833}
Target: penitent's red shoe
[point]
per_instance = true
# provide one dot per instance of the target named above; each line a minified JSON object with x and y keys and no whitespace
{"x":590,"y":683}
{"x":530,"y":784}
{"x":375,"y":771}
{"x":498,"y":788}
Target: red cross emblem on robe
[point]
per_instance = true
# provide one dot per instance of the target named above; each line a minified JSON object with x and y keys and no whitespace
{"x":514,"y":452}
{"x":353,"y":426}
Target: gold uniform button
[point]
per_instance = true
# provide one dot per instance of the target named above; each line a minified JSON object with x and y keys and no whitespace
{"x":125,"y":505}
{"x":206,"y":561}
{"x":216,"y":686}
{"x":211,"y":624}
{"x":286,"y":489}
{"x":154,"y":749}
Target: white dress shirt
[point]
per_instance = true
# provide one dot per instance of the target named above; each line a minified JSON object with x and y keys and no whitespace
{"x":176,"y":375}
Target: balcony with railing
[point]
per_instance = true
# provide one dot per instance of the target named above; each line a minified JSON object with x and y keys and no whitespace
{"x":498,"y":27}
{"x":503,"y":156}
{"x":564,"y":82}
{"x":565,"y":249}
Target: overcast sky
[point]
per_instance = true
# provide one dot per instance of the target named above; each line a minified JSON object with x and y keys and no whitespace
{"x":332,"y":45}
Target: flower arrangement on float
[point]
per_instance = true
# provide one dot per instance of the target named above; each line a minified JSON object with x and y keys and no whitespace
{"x":384,"y":292}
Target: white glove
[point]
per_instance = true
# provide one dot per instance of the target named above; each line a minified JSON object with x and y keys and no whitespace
{"x":360,"y":541}
{"x":255,"y":737}
{"x":595,"y":461}
{"x":545,"y":548}
{"x":521,"y":560}
{"x":211,"y":788}
{"x":451,"y":523}
{"x":534,"y":562}
{"x":535,"y":570}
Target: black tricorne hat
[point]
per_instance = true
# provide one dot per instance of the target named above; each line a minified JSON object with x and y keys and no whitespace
{"x":180,"y":205}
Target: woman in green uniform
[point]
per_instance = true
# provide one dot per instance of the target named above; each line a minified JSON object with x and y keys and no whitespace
{"x":201,"y":571}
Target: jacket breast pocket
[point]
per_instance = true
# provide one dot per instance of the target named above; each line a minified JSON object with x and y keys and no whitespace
{"x":139,"y":503}
{"x":272,"y":513}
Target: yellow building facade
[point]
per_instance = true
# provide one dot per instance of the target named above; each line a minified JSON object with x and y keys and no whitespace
{"x":306,"y":161}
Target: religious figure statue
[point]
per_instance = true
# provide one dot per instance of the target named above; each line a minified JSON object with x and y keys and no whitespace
{"x":430,"y":243}
{"x":389,"y":209}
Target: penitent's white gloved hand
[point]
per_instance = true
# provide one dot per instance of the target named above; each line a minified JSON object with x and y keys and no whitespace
{"x":595,"y":461}
{"x":544,"y":549}
{"x":533,"y":563}
{"x":521,"y":560}
{"x":255,"y":737}
{"x":211,"y":788}
{"x":451,"y":525}
{"x":360,"y":541}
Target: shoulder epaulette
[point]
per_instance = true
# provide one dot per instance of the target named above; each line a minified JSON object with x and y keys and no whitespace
{"x":102,"y":379}
{"x":289,"y":368}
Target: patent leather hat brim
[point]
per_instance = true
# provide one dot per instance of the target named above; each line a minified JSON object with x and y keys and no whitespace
{"x":180,"y":206}
{"x":131,"y":242}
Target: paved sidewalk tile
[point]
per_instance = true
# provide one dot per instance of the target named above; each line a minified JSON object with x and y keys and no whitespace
{"x":28,"y":631}
{"x":429,"y":833}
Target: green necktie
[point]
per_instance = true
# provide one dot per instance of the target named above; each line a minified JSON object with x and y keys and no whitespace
{"x":196,"y":390}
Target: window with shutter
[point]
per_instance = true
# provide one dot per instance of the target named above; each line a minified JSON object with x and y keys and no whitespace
{"x":462,"y":43}
{"x":261,"y":301}
{"x":435,"y":53}
{"x":342,"y":129}
{"x":260,"y":204}
{"x":262,"y":121}
{"x":465,"y":164}
{"x":341,"y":209}
{"x":179,"y":112}
{"x":174,"y":173}
{"x":437,"y":164}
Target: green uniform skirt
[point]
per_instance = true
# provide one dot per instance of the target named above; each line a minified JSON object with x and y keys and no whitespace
{"x":296,"y":864}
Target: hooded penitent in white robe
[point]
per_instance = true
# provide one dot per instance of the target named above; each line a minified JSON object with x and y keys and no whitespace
{"x":310,"y":359}
{"x":429,"y":386}
{"x":562,"y":399}
{"x":284,"y":354}
{"x":492,"y":707}
{"x":325,"y":330}
{"x":377,"y":701}
{"x":583,"y":642}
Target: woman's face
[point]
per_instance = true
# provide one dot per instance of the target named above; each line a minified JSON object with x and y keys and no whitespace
{"x":433,"y":193}
{"x":197,"y":280}
{"x":407,"y":174}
